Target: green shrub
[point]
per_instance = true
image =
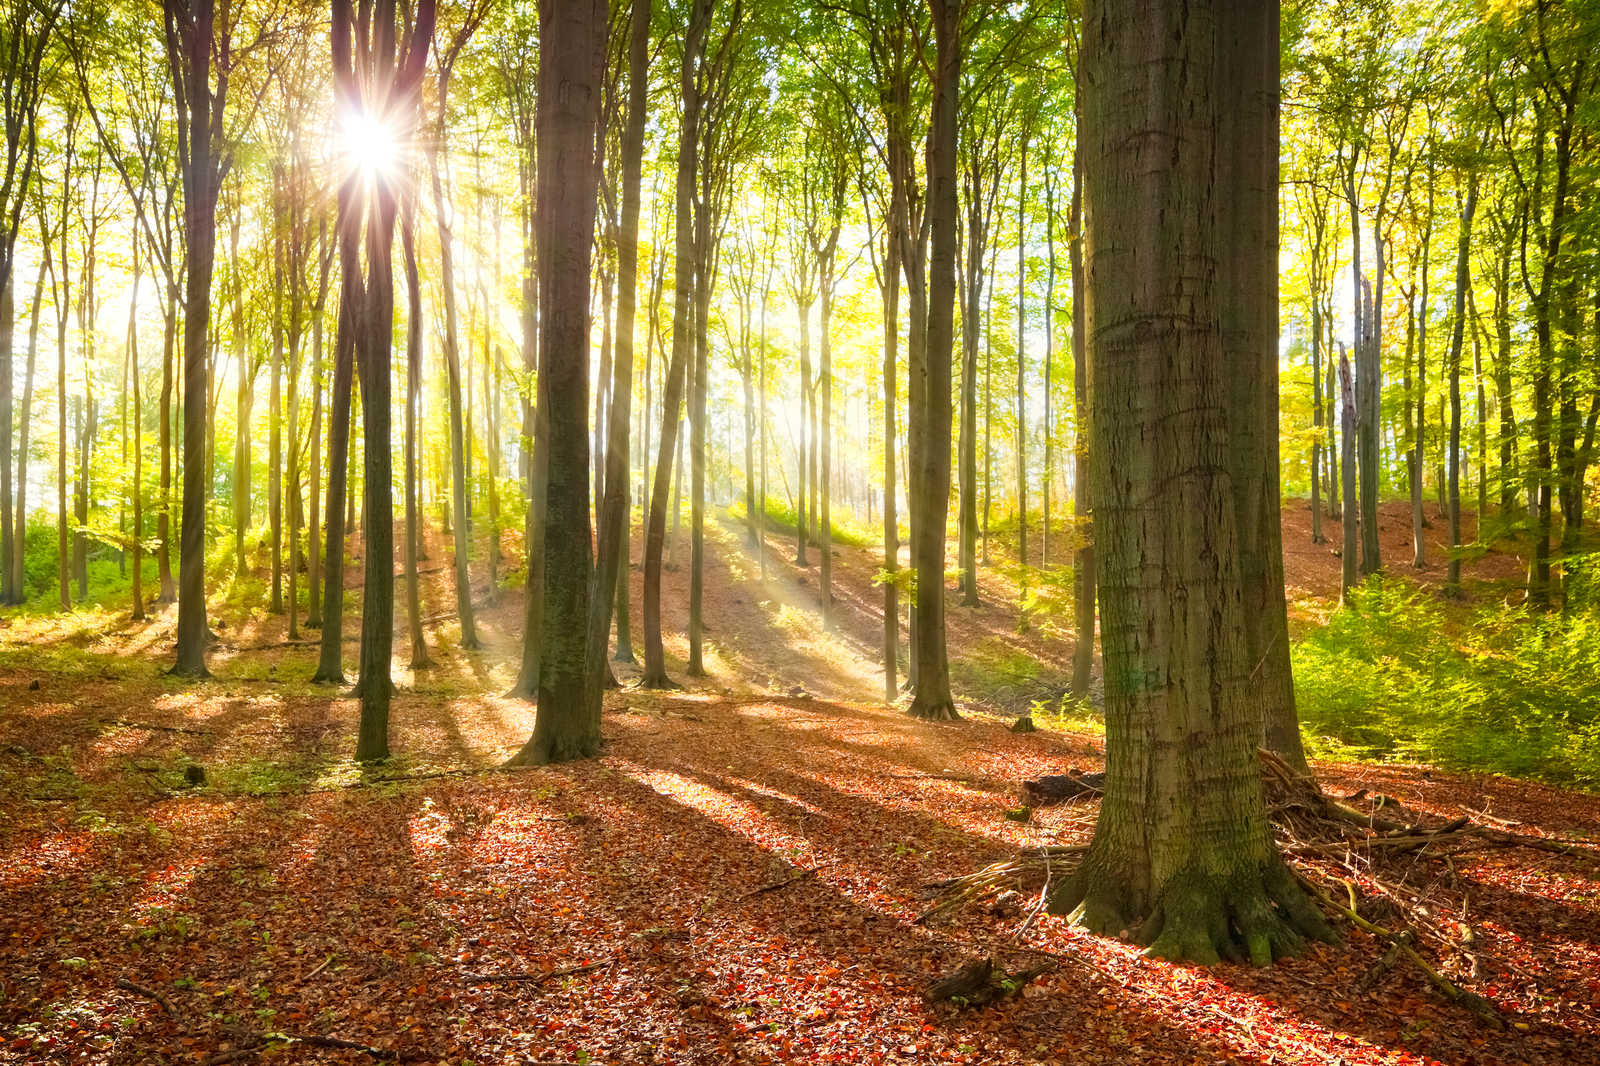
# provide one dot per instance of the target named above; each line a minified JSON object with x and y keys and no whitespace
{"x":782,"y":520}
{"x":1395,"y":676}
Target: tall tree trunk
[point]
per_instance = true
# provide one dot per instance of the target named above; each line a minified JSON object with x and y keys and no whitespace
{"x":1349,"y":544}
{"x":200,"y":175}
{"x":8,"y":311}
{"x":655,"y":668}
{"x":169,"y":339}
{"x":1247,"y":291}
{"x":891,"y":521}
{"x":803,"y":309}
{"x":275,"y":427}
{"x":452,"y":364}
{"x":408,"y":252}
{"x":825,"y":433}
{"x":136,"y":486}
{"x":314,"y":493}
{"x":1457,"y":335}
{"x":572,"y":40}
{"x":612,"y":561}
{"x":1083,"y":556}
{"x":18,"y":559}
{"x":699,"y":386}
{"x":1419,"y":428}
{"x":1182,"y":849}
{"x":930,"y":398}
{"x":1022,"y":371}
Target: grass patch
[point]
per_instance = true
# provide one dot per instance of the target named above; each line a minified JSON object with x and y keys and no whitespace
{"x":782,"y":520}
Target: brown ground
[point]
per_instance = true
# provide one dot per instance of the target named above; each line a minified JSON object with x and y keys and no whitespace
{"x":741,"y":869}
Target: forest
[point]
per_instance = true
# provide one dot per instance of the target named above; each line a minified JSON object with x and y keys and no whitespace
{"x":843,"y":531}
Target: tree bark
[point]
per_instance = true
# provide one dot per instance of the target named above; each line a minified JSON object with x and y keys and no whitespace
{"x":1457,"y":336}
{"x":1182,"y":850}
{"x":655,"y":668}
{"x":930,"y":396}
{"x":572,"y":40}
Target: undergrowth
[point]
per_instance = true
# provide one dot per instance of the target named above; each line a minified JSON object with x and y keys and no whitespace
{"x":1399,"y":674}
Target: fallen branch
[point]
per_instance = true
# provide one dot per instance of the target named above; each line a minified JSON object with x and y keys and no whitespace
{"x":982,"y":982}
{"x":1402,"y":942}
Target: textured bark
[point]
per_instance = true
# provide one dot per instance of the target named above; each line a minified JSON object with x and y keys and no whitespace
{"x":1247,"y":291}
{"x":1182,"y":850}
{"x":191,"y":39}
{"x":572,"y":39}
{"x":891,"y":521}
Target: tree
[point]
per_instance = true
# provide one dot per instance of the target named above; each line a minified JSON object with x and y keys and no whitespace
{"x":573,"y":44}
{"x":25,"y":33}
{"x":930,"y":412}
{"x":378,"y":63}
{"x":1182,"y":849}
{"x":699,"y":22}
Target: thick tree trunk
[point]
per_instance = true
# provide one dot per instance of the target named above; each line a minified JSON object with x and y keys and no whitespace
{"x":572,"y":39}
{"x":1247,"y":291}
{"x":1182,"y":850}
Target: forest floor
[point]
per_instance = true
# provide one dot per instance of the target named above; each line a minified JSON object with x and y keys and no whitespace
{"x":737,"y":879}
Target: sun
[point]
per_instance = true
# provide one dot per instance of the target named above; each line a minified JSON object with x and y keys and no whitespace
{"x":368,"y":144}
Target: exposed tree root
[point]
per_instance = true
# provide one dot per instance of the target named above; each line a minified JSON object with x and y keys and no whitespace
{"x":935,"y":711}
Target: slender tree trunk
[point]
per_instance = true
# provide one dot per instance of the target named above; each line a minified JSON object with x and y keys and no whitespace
{"x":1083,"y":556}
{"x":314,"y":493}
{"x":1022,"y":372}
{"x":452,"y":364}
{"x":275,"y":432}
{"x":804,"y":311}
{"x":1349,"y":546}
{"x":18,"y":559}
{"x":1457,"y":335}
{"x":891,"y":521}
{"x":169,"y":587}
{"x":655,"y":670}
{"x":613,"y":552}
{"x":1420,"y":441}
{"x":420,"y":659}
{"x":825,"y":433}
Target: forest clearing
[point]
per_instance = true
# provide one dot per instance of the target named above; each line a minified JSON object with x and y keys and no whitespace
{"x":861,"y":531}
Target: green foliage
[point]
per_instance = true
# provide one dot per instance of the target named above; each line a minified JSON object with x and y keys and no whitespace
{"x":1396,"y":675}
{"x":782,"y":520}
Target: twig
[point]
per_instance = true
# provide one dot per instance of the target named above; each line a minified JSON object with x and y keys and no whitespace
{"x":1483,"y":1008}
{"x":764,"y":889}
{"x":148,"y":993}
{"x":534,"y":978}
{"x":320,"y":968}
